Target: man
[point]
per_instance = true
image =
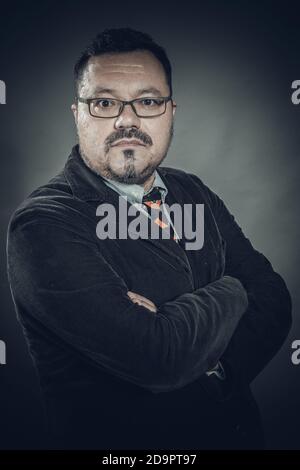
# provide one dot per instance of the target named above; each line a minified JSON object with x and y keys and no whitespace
{"x":140,"y":342}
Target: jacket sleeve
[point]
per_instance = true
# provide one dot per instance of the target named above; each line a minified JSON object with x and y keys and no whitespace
{"x":59,"y":276}
{"x":267,"y":321}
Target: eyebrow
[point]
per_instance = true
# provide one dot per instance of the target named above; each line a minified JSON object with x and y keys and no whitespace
{"x":141,"y":91}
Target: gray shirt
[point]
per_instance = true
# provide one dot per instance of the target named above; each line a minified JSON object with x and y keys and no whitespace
{"x":135,"y":194}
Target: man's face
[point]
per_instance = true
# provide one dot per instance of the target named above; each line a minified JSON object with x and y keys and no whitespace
{"x":124,"y":76}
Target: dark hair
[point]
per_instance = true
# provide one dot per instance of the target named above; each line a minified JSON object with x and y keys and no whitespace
{"x":121,"y":40}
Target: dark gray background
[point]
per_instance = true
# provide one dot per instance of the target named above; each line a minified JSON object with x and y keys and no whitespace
{"x":235,"y":127}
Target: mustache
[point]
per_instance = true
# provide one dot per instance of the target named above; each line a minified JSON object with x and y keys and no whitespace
{"x":129,"y":134}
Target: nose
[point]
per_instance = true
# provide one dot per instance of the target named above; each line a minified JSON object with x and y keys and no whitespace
{"x":127,"y":118}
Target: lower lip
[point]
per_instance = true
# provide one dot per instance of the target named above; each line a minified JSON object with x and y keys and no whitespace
{"x":127,"y":144}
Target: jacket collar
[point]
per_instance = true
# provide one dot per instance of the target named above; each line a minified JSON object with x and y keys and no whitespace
{"x":87,"y":185}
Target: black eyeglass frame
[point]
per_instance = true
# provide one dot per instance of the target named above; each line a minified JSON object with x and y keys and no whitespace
{"x":124,"y":103}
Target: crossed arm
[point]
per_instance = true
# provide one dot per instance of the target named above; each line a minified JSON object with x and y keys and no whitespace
{"x":59,"y":276}
{"x":218,"y":370}
{"x":268,"y":318}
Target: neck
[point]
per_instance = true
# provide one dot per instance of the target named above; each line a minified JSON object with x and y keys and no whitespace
{"x":148,"y":183}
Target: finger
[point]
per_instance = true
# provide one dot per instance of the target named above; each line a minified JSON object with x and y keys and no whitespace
{"x":150,"y":307}
{"x":138,"y":296}
{"x":145,"y":302}
{"x":133,"y":295}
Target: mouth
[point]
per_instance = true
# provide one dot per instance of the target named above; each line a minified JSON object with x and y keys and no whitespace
{"x":128,"y":143}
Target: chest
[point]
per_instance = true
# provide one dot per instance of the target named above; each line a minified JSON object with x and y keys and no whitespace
{"x":161,"y":269}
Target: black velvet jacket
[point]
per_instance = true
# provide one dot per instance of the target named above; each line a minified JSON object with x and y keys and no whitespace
{"x":114,"y":374}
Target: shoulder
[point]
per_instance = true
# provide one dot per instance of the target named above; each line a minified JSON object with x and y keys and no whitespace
{"x":192,"y":184}
{"x":52,"y":202}
{"x":183,"y":176}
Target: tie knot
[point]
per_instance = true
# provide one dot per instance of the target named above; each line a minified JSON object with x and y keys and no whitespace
{"x":154,"y":195}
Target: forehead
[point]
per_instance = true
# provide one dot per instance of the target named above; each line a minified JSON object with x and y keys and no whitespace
{"x":128,"y":71}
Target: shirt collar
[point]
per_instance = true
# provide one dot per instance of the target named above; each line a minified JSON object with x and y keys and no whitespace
{"x":135,"y":192}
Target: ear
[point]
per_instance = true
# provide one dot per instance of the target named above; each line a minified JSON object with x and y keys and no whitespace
{"x":75,"y":111}
{"x":174,"y":107}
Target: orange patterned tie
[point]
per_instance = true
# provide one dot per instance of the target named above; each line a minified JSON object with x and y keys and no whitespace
{"x":153,"y":202}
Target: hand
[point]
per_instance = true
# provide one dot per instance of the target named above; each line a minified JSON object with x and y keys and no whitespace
{"x":139,"y":299}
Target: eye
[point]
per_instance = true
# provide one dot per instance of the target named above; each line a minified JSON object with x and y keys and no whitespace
{"x":104,"y":103}
{"x":150,"y":102}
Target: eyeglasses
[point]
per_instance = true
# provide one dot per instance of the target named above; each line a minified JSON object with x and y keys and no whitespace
{"x":111,"y":107}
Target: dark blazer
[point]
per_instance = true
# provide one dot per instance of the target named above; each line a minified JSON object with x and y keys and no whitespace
{"x":112,"y":373}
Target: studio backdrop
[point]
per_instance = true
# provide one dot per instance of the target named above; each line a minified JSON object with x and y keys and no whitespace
{"x":236,"y":72}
